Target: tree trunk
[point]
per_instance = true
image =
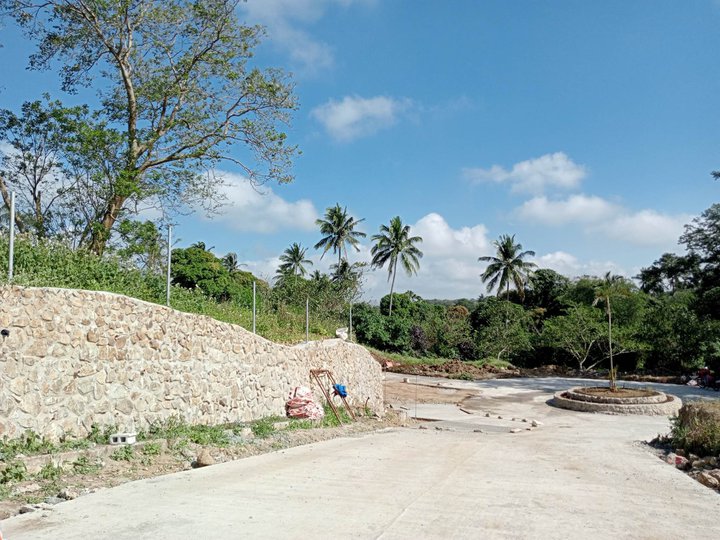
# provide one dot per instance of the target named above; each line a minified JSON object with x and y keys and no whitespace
{"x":392,"y":286}
{"x":101,"y":232}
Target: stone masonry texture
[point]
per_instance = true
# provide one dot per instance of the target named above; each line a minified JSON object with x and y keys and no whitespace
{"x":76,"y":358}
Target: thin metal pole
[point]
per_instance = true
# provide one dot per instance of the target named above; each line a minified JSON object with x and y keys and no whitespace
{"x":11,"y":260}
{"x":169,"y":261}
{"x":254,"y":304}
{"x":307,"y":320}
{"x":350,"y":333}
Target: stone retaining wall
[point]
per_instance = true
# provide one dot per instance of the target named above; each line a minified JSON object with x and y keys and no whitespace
{"x":76,"y":358}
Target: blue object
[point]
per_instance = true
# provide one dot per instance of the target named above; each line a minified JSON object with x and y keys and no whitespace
{"x":340,"y":390}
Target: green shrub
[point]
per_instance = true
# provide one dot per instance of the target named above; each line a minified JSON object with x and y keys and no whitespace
{"x":14,"y":471}
{"x":123,"y":453}
{"x":263,"y":428}
{"x":696,"y":429}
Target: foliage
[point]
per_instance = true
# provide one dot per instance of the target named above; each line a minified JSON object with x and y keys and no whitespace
{"x":507,"y":266}
{"x":14,"y":471}
{"x":50,"y":472}
{"x":578,"y":333}
{"x":178,"y":93}
{"x":502,"y":329}
{"x":84,"y":465}
{"x":696,"y":429}
{"x":338,"y":229}
{"x":392,"y":245}
{"x":263,"y":428}
{"x":177,"y":430}
{"x":293,"y":261}
{"x":123,"y":453}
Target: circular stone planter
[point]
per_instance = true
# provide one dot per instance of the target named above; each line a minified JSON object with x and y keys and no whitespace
{"x":654,"y":403}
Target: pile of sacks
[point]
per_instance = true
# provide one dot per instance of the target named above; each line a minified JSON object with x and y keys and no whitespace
{"x":302,"y":405}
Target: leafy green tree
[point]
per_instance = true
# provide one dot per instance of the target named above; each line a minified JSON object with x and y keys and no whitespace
{"x":194,"y":267}
{"x":501,"y":329}
{"x":577,"y":333}
{"x":36,"y":165}
{"x":339,"y":230}
{"x":142,"y":243}
{"x":178,"y":87}
{"x":671,"y":273}
{"x":293,"y":261}
{"x":507,"y":267}
{"x":392,"y":245}
{"x":545,"y":291}
{"x":673,"y":333}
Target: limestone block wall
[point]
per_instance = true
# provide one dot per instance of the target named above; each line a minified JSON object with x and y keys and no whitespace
{"x":74,"y":358}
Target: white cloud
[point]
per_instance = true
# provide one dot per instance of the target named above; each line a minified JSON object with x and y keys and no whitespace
{"x":261,"y":210}
{"x":598,"y":216}
{"x":647,"y":228}
{"x":285,"y":21}
{"x":439,"y":239}
{"x":355,"y":116}
{"x":569,"y":265}
{"x":533,"y":175}
{"x":574,"y":209}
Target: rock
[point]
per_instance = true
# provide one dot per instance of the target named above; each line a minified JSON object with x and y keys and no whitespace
{"x":707,"y":480}
{"x":715,"y":473}
{"x":487,"y":415}
{"x":54,"y":500}
{"x":478,"y":431}
{"x":524,"y":419}
{"x":438,"y":428}
{"x":204,"y":459}
{"x":535,"y":423}
{"x":342,"y":333}
{"x":26,"y":509}
{"x":515,"y":430}
{"x":499,"y":417}
{"x":29,"y":488}
{"x":682,"y":463}
{"x":422,"y":427}
{"x":68,"y":494}
{"x":680,"y":452}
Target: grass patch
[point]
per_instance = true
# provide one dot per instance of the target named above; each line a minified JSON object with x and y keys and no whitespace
{"x":50,"y":472}
{"x":123,"y":453}
{"x":84,"y":465}
{"x":329,"y":420}
{"x":14,"y":471}
{"x":179,"y":433}
{"x":263,"y":428}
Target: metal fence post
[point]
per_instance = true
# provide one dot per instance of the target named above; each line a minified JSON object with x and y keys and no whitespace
{"x":169,"y":261}
{"x":11,"y":257}
{"x":350,"y":332}
{"x":307,"y":320}
{"x":254,"y":305}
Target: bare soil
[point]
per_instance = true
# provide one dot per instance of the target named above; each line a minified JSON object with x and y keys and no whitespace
{"x":604,"y":391}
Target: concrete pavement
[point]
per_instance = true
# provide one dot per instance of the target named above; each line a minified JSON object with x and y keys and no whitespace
{"x":577,"y":475}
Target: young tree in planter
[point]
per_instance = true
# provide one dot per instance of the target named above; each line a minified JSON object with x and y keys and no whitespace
{"x":178,"y":88}
{"x":392,"y":245}
{"x":609,"y":288}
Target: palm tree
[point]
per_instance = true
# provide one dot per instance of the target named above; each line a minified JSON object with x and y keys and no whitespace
{"x":230,"y":262}
{"x":293,"y":261}
{"x":394,"y":244}
{"x":507,"y":267}
{"x":610,"y":287}
{"x":339,"y":230}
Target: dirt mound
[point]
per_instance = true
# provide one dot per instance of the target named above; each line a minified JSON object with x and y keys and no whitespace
{"x":455,"y":369}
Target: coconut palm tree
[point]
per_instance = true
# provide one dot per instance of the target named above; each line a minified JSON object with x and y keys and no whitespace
{"x":507,"y":267}
{"x":293,"y":261}
{"x":230,"y":262}
{"x":392,"y":245}
{"x":339,"y":230}
{"x":610,"y":287}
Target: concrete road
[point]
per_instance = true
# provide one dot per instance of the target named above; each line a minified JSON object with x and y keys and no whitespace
{"x":575,"y":476}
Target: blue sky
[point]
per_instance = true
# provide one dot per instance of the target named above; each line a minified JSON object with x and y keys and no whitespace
{"x":587,"y":129}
